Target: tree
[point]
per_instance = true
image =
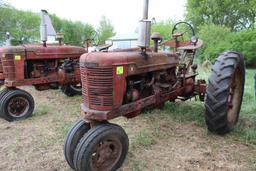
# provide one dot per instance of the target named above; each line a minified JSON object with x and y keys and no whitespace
{"x":245,"y":42}
{"x":234,"y":14}
{"x":22,"y":25}
{"x":216,"y":40}
{"x":105,"y":30}
{"x":164,"y":28}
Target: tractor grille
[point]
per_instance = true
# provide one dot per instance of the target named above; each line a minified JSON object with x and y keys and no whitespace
{"x":1,"y":66}
{"x":8,"y":67}
{"x":97,"y":87}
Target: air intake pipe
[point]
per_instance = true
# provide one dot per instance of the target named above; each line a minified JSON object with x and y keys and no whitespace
{"x":144,"y":28}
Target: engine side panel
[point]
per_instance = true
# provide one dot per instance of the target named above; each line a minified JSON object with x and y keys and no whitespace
{"x":122,"y":65}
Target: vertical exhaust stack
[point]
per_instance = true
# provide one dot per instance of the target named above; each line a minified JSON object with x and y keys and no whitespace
{"x":144,"y":28}
{"x":8,"y":39}
{"x":43,"y":27}
{"x":46,"y":27}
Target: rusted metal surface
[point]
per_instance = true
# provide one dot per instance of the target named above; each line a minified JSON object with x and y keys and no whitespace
{"x":35,"y":65}
{"x":104,"y":87}
{"x":123,"y":83}
{"x":1,"y":73}
{"x":112,"y":86}
{"x":18,"y":106}
{"x":129,"y":110}
{"x":106,"y":154}
{"x":235,"y":91}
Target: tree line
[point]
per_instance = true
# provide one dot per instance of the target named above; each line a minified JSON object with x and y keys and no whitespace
{"x":24,"y":27}
{"x":222,"y":25}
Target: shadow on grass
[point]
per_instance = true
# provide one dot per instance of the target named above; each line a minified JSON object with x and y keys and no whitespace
{"x":193,"y":111}
{"x":186,"y":111}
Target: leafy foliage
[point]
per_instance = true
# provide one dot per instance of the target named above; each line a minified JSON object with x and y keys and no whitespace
{"x":245,"y":42}
{"x":216,"y":40}
{"x":164,"y":28}
{"x":24,"y":26}
{"x":234,"y":14}
{"x":219,"y":38}
{"x":105,"y":30}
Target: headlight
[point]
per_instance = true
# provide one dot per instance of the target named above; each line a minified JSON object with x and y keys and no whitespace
{"x":194,"y":39}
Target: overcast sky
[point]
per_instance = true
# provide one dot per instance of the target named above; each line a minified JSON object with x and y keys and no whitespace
{"x":124,"y":14}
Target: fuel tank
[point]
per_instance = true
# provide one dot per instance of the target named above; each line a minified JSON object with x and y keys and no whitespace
{"x":104,"y":75}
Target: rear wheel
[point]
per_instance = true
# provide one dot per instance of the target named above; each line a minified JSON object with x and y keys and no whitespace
{"x":225,"y":92}
{"x":104,"y":147}
{"x":72,"y":89}
{"x":16,"y":104}
{"x":75,"y":133}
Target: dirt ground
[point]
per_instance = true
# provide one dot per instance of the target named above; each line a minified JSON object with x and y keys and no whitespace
{"x":157,"y":142}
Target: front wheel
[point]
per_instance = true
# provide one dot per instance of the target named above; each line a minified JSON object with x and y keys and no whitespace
{"x":72,"y":89}
{"x":74,"y":135}
{"x":16,"y":104}
{"x":104,"y":147}
{"x":225,"y":92}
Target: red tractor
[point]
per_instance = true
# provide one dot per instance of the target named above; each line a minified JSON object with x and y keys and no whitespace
{"x":126,"y":82}
{"x":43,"y":66}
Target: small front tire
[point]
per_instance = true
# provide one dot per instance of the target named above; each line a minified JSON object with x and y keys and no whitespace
{"x":104,"y":147}
{"x":75,"y":133}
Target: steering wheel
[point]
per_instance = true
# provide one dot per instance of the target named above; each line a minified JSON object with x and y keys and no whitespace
{"x":186,"y":23}
{"x":190,"y":42}
{"x":93,"y":36}
{"x":175,"y":35}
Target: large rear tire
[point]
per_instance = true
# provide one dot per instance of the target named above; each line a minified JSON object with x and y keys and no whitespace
{"x":104,"y":147}
{"x":74,"y":135}
{"x":225,"y":92}
{"x":16,"y":104}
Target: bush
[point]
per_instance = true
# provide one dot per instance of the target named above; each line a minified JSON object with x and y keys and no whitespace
{"x":245,"y":42}
{"x":216,"y":40}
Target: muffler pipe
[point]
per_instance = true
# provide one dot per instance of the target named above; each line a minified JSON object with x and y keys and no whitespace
{"x":144,"y":29}
{"x":145,"y":10}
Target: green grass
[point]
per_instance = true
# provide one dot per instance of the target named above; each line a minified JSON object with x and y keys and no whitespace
{"x":194,"y":110}
{"x":246,"y":128}
{"x":142,"y":139}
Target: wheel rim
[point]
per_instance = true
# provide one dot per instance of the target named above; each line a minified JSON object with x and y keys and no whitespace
{"x":76,"y":87}
{"x":106,"y":154}
{"x":234,"y":98}
{"x":18,"y":107}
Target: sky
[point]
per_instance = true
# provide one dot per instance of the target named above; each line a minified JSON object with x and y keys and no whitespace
{"x":124,"y":14}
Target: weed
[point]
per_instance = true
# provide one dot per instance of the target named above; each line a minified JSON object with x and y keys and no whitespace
{"x":142,"y":139}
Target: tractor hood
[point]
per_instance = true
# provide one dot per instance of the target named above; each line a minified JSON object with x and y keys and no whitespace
{"x":38,"y":51}
{"x":135,"y":61}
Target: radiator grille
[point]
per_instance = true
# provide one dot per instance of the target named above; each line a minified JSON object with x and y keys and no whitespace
{"x":1,"y":66}
{"x":97,"y":87}
{"x":8,"y":67}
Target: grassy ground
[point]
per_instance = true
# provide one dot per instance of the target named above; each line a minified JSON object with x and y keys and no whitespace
{"x":174,"y":138}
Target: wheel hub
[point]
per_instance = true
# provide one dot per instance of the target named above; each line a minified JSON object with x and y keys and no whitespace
{"x":106,"y":154}
{"x":18,"y":106}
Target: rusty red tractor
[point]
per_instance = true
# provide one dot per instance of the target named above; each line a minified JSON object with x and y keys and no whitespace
{"x":46,"y":66}
{"x":126,"y":82}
